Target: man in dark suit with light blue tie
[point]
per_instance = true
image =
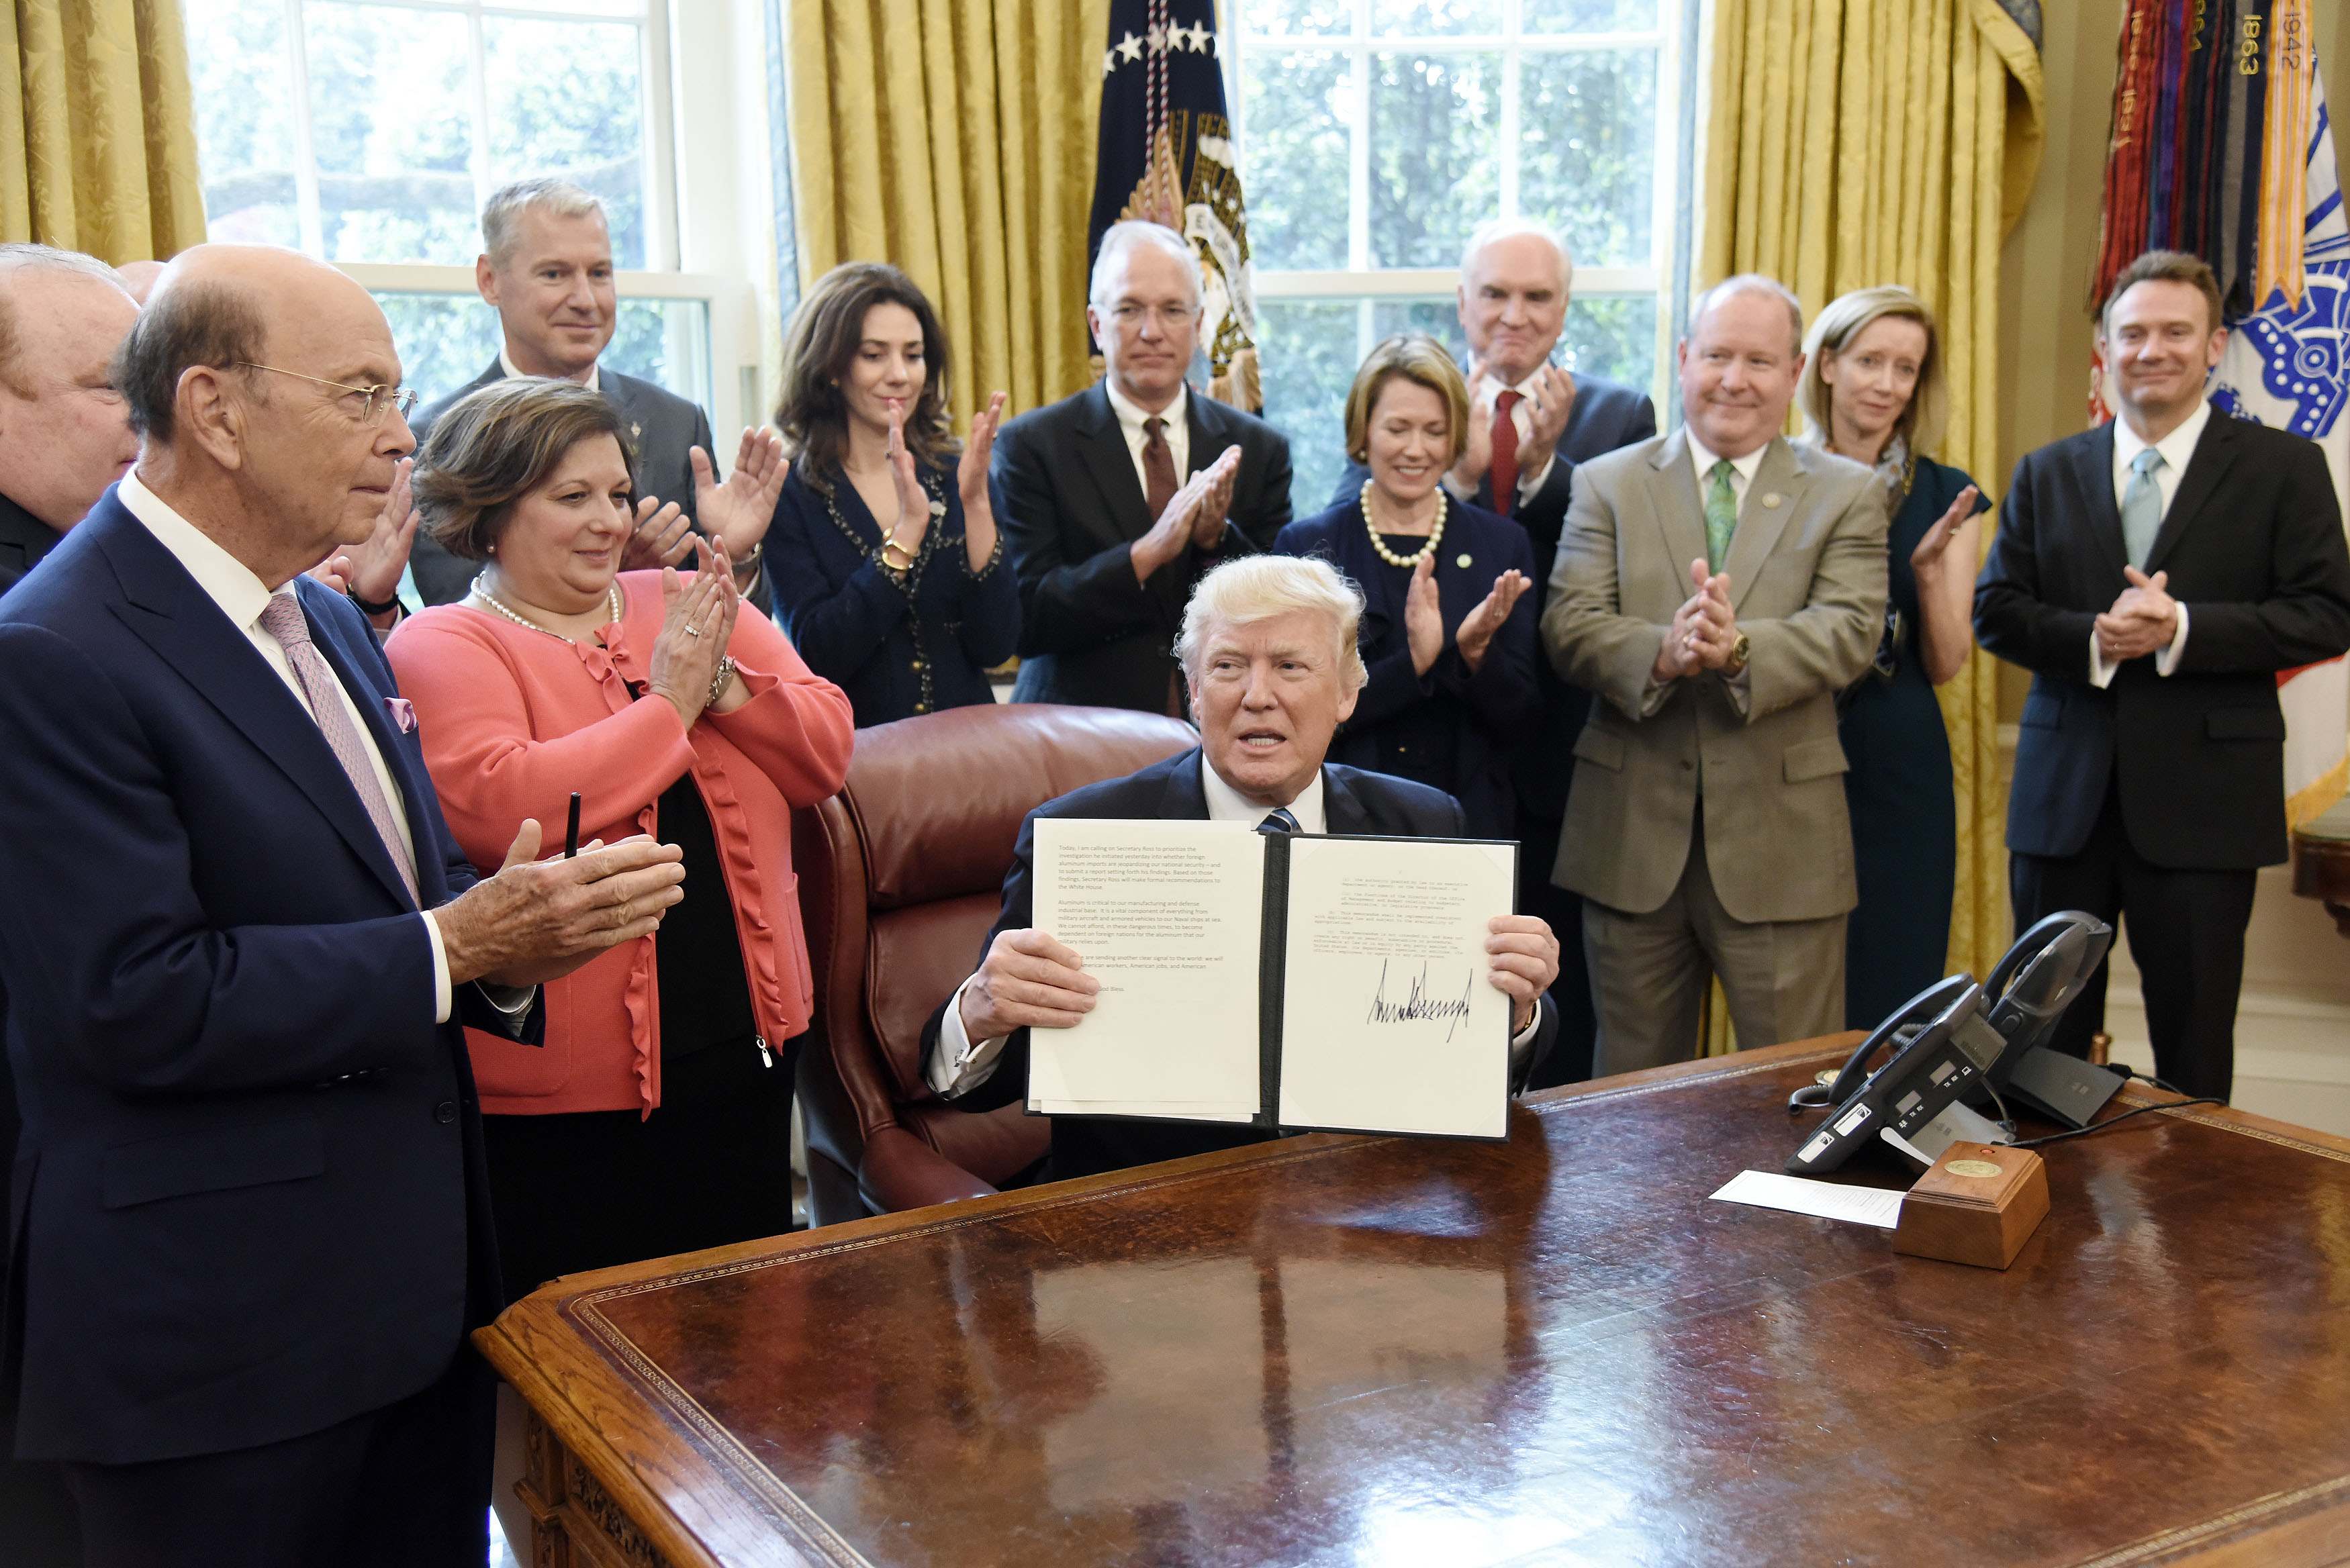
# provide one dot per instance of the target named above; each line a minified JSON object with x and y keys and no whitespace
{"x":2154,"y":575}
{"x":247,"y":1227}
{"x":1530,"y":423}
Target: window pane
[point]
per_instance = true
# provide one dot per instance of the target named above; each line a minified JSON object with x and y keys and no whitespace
{"x":1433,"y":169}
{"x":237,"y":54}
{"x":389,"y":118}
{"x":1294,"y":169}
{"x":564,"y":100}
{"x":1333,"y":17}
{"x":1613,"y":337}
{"x":1590,"y":15}
{"x":1421,"y":18}
{"x":1588,"y":151}
{"x":1308,"y":354}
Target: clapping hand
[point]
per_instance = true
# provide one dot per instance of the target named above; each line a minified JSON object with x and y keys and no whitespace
{"x":1927,"y":559}
{"x":970,"y":474}
{"x":697,"y":623}
{"x":1475,"y":635}
{"x":1423,"y":616}
{"x":371,"y":569}
{"x":537,"y":920}
{"x":663,"y":536}
{"x":2144,"y":618}
{"x":740,"y":510}
{"x":1704,"y":632}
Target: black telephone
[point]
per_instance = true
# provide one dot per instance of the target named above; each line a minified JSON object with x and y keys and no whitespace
{"x":1953,"y":1040}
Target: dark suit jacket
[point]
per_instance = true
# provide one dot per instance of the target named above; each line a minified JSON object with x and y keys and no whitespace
{"x":1353,"y":803}
{"x":1485,"y":714}
{"x":665,"y":427}
{"x":24,"y":540}
{"x":1068,"y":501}
{"x":248,"y":1203}
{"x":2253,"y":545}
{"x":1607,"y":415}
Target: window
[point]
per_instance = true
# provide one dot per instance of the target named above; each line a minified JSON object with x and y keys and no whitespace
{"x":1377,"y":134}
{"x":368,"y":132}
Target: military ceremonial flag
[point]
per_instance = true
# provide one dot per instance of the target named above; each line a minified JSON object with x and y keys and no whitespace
{"x":1166,"y":154}
{"x":2221,"y":146}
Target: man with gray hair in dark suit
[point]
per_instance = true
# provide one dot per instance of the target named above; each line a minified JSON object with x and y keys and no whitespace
{"x":546,"y":269}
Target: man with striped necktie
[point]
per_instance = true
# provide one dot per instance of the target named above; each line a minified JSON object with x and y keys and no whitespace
{"x":1714,"y":588}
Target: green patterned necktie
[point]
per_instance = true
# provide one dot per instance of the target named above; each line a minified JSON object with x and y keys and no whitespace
{"x":1720,"y":514}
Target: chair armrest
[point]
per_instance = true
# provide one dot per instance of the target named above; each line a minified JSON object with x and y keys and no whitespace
{"x":899,"y":1171}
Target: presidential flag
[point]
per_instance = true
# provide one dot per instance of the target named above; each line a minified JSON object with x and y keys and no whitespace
{"x":1166,"y":155}
{"x":2221,"y":146}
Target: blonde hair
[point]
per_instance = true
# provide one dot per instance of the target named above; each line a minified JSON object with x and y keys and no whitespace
{"x":1921,"y":423}
{"x":1265,"y":587}
{"x":1415,"y":357}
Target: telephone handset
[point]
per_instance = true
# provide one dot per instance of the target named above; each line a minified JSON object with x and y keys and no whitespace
{"x":1950,"y":1046}
{"x":1953,"y":1040}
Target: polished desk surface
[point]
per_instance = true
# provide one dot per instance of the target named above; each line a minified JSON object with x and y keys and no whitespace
{"x":1337,"y":1350}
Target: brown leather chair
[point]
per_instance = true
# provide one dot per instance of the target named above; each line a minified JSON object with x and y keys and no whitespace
{"x":901,"y":876}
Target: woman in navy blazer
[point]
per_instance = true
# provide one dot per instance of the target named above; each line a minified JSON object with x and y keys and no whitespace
{"x":1450,"y":645}
{"x":888,"y":570}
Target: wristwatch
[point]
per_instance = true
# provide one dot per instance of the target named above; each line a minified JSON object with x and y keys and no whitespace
{"x":1738,"y":653}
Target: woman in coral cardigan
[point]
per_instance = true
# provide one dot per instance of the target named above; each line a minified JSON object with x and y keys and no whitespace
{"x":655,"y":1117}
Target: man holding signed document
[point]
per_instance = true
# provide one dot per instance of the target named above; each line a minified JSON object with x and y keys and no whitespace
{"x":1394,"y":999}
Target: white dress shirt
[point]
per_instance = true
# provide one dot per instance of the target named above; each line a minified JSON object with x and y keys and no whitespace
{"x":958,"y":1066}
{"x":1531,"y":471}
{"x":594,"y":382}
{"x":2177,"y":449}
{"x":242,"y":597}
{"x":1131,"y":417}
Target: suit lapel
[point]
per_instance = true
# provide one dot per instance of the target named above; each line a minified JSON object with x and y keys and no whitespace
{"x":1186,"y":799}
{"x":2214,"y":452}
{"x":1101,"y":447}
{"x":1771,"y":498}
{"x":166,"y":609}
{"x":1672,"y":495}
{"x":2093,"y":475}
{"x":401,"y":759}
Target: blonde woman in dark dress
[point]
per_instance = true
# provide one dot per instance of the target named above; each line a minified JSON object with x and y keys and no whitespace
{"x":1872,"y":391}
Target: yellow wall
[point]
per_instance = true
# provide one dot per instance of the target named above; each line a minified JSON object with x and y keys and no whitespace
{"x":2044,"y":270}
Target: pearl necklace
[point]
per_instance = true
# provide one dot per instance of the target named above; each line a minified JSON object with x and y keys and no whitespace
{"x":1435,"y":533}
{"x":482,"y":592}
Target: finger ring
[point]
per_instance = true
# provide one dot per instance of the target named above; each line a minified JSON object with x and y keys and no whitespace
{"x":693,"y":631}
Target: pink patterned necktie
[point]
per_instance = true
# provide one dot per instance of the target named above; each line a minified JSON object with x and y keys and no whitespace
{"x":284,"y":620}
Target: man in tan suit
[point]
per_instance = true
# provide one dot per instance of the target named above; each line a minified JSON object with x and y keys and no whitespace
{"x":1714,"y":588}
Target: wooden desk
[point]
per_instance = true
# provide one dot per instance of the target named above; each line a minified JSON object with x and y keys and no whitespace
{"x":1341,"y":1350}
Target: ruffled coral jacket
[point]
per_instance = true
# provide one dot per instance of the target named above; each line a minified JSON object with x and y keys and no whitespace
{"x":514,"y":719}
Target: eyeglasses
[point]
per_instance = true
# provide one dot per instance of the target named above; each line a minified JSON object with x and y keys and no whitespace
{"x":373,"y":399}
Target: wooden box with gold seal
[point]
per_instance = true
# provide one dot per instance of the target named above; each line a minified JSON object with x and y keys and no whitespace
{"x":1979,"y":1205}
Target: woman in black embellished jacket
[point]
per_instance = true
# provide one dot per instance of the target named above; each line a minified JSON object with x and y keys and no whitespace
{"x":888,"y":566}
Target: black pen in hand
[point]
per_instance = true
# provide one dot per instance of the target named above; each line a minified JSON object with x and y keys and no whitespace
{"x":571,"y":832}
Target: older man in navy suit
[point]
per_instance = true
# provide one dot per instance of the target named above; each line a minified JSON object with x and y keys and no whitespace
{"x":1268,"y":645}
{"x":247,"y":1223}
{"x":1516,"y":279}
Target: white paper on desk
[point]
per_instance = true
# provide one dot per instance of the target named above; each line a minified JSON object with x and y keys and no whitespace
{"x":1170,"y":917}
{"x":1389,"y":1022}
{"x":1879,"y":1205}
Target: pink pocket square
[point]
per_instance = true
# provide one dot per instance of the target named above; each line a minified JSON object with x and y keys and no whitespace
{"x":403,"y":715}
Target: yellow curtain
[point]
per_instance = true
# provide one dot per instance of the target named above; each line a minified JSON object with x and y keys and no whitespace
{"x":98,"y":132}
{"x":955,"y":139}
{"x":1854,"y":142}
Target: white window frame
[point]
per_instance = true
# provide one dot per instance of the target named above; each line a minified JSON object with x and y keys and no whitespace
{"x":1362,"y":281}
